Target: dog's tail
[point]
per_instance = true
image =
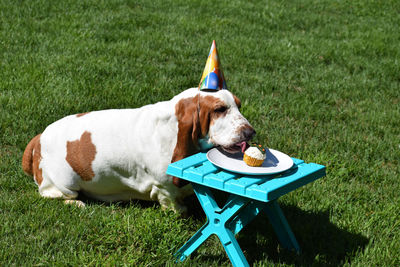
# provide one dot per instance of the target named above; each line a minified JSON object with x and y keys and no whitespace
{"x":27,"y":158}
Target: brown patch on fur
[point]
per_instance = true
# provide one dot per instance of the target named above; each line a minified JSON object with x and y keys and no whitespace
{"x":186,"y":113}
{"x":208,"y":107}
{"x":237,"y":101}
{"x":27,"y":156}
{"x":80,"y":155}
{"x":192,"y":126}
{"x":37,"y":157}
{"x":81,"y":114}
{"x":31,"y":159}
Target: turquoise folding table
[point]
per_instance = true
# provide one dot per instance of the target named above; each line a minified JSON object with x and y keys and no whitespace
{"x":248,"y":196}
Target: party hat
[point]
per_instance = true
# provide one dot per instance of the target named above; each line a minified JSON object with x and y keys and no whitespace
{"x":213,"y":77}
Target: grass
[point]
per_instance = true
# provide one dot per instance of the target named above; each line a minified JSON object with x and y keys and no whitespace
{"x":319,"y":80}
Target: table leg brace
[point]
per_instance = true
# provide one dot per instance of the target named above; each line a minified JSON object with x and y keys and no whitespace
{"x":276,"y":218}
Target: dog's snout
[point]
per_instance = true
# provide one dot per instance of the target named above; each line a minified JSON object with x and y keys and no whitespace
{"x":248,"y":132}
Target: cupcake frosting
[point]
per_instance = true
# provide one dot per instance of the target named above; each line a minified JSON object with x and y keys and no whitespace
{"x":254,"y":152}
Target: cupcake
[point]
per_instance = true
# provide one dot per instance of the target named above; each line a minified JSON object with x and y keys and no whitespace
{"x":254,"y":156}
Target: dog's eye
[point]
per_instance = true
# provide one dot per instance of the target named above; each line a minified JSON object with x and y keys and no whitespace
{"x":221,"y":109}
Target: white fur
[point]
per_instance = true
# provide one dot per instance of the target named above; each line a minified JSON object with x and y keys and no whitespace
{"x":225,"y":132}
{"x":133,"y":150}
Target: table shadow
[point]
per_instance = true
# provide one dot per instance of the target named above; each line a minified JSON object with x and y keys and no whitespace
{"x":322,"y":243}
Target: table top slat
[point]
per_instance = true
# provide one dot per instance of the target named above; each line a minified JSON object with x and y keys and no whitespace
{"x":197,"y":173}
{"x":239,"y":186}
{"x":274,"y":188}
{"x":297,"y":161}
{"x":177,"y":168}
{"x":219,"y":178}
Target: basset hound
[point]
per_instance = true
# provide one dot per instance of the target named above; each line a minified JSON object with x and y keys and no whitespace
{"x":123,"y":154}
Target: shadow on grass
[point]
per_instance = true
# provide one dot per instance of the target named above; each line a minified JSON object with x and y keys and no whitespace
{"x":322,"y":243}
{"x":123,"y":204}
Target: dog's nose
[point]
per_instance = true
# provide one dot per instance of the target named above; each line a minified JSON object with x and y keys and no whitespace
{"x":248,"y":132}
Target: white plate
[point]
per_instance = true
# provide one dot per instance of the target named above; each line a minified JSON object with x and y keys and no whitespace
{"x":275,"y":162}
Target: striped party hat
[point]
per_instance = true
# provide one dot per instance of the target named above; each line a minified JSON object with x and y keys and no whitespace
{"x":213,"y":77}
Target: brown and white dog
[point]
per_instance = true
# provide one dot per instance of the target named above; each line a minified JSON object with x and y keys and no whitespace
{"x":123,"y":154}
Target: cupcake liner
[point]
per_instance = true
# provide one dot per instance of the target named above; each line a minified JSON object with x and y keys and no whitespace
{"x":253,"y":162}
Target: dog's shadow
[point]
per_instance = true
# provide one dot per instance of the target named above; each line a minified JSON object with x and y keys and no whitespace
{"x":322,"y":243}
{"x":123,"y":204}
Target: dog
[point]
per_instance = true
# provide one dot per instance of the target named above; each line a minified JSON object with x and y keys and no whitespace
{"x":123,"y":154}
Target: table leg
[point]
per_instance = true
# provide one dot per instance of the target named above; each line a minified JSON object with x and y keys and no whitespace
{"x":232,"y":247}
{"x":281,"y":226}
{"x":193,"y":243}
{"x":217,"y":223}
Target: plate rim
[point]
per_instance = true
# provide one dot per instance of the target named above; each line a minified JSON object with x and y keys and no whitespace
{"x":248,"y":173}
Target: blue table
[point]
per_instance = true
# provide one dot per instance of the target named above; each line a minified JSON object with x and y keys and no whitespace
{"x":249,"y":195}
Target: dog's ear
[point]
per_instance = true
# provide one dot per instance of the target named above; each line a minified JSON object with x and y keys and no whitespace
{"x":237,"y":101}
{"x":188,"y":132}
{"x":193,"y":116}
{"x":201,"y":118}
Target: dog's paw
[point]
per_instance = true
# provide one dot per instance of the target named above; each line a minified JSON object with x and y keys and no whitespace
{"x":75,"y":202}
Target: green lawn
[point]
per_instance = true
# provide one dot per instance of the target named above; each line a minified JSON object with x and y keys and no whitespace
{"x":319,"y":80}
